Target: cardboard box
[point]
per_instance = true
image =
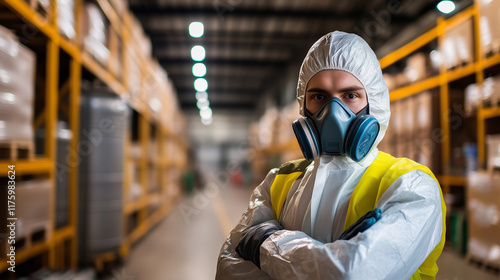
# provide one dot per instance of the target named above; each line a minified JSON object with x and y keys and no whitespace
{"x":457,"y":48}
{"x":418,"y":67}
{"x":427,"y":151}
{"x":489,"y":22}
{"x":427,"y":111}
{"x":493,"y":152}
{"x":483,"y":207}
{"x":472,"y":98}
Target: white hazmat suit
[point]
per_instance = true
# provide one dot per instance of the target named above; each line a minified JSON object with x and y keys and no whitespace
{"x":314,"y":213}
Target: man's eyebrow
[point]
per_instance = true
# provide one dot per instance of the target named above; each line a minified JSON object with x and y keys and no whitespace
{"x":317,"y":90}
{"x":347,"y":89}
{"x":353,"y":88}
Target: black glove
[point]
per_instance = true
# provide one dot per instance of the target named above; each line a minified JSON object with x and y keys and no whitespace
{"x":249,"y":246}
{"x":364,"y":223}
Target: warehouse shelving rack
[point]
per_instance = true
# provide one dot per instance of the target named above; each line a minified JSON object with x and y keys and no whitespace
{"x":80,"y":60}
{"x":440,"y":81}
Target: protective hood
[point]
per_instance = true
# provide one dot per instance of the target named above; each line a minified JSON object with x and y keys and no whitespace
{"x":348,"y":52}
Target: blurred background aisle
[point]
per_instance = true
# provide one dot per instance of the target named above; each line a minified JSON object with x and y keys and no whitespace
{"x":133,"y":132}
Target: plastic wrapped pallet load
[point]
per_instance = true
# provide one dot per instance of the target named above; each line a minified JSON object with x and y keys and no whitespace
{"x":94,"y":32}
{"x":490,"y":92}
{"x":493,"y":144}
{"x":472,"y":98}
{"x":17,"y":79}
{"x":103,"y":122}
{"x":489,"y":21}
{"x":65,"y":16}
{"x":457,"y":46}
{"x":32,"y":198}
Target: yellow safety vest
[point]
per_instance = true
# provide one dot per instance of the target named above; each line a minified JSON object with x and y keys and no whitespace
{"x":384,"y":170}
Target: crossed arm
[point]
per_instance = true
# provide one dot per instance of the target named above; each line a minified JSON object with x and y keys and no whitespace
{"x":393,"y":248}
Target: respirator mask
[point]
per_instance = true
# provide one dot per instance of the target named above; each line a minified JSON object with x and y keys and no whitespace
{"x":335,"y":130}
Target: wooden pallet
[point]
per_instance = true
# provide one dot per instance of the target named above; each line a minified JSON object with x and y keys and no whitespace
{"x":483,"y":264}
{"x":36,"y":236}
{"x":14,"y":150}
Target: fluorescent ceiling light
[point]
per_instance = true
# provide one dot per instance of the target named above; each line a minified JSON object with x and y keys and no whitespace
{"x":196,"y":29}
{"x":201,"y":95}
{"x":446,"y":7}
{"x":199,"y":70}
{"x":206,"y":113}
{"x":200,"y":84}
{"x":198,"y":53}
{"x":202,"y":104}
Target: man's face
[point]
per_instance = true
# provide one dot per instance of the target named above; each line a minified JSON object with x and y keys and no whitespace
{"x":335,"y":83}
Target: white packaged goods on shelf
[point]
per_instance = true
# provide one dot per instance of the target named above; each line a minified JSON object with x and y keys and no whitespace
{"x":493,"y":144}
{"x":17,"y":79}
{"x":65,"y":16}
{"x":417,"y":67}
{"x":472,"y":97}
{"x":488,"y":23}
{"x":94,"y":32}
{"x":490,"y":91}
{"x":457,"y":46}
{"x":33,"y":207}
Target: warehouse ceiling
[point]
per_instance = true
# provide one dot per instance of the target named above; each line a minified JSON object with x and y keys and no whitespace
{"x":250,"y":43}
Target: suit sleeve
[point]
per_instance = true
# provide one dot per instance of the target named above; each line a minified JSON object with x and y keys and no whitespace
{"x":394,"y":248}
{"x":230,"y":265}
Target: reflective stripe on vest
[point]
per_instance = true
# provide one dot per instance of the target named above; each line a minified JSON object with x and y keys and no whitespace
{"x":375,"y":181}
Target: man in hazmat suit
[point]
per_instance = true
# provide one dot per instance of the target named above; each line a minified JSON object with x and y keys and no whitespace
{"x":348,"y":210}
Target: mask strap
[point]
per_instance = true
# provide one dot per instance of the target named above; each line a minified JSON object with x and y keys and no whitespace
{"x":364,"y":111}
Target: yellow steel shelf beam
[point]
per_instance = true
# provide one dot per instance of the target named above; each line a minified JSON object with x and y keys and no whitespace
{"x":452,"y":180}
{"x":461,"y":72}
{"x":24,"y":167}
{"x":491,"y":61}
{"x":111,"y":14}
{"x":38,"y":248}
{"x":459,"y":18}
{"x":426,"y":84}
{"x":409,"y":48}
{"x":488,"y":113}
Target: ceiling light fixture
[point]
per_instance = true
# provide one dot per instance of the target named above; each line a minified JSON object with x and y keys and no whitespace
{"x":199,"y":70}
{"x":446,"y":7}
{"x":200,"y":84}
{"x":201,"y":95}
{"x":196,"y":29}
{"x":198,"y":53}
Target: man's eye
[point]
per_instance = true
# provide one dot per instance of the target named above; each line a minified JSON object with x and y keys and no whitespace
{"x":351,"y":95}
{"x":317,"y":97}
